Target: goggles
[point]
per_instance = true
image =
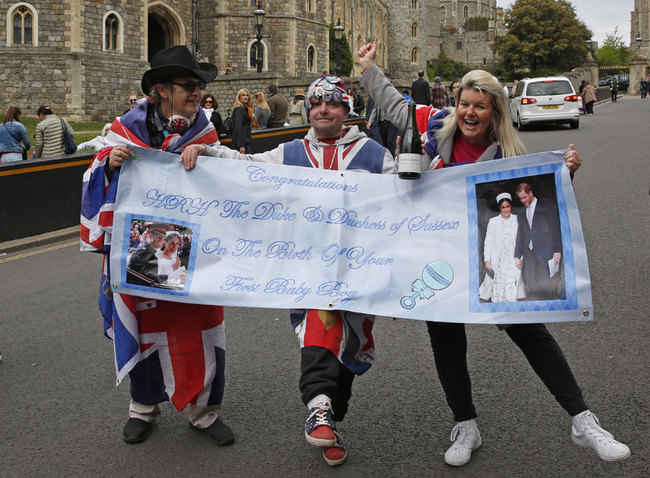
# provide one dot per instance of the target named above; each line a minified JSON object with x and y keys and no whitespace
{"x":328,"y":88}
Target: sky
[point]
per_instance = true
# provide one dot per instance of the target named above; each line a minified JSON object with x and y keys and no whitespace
{"x":600,"y":16}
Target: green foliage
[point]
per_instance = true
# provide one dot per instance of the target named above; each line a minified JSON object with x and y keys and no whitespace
{"x":476,"y":24}
{"x":346,"y":54}
{"x":446,"y":68}
{"x":543,"y":36}
{"x":614,"y":51}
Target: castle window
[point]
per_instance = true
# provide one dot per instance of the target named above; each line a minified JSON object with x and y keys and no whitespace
{"x":309,"y":6}
{"x":415,"y":56}
{"x":22,"y":25}
{"x":443,"y":15}
{"x":110,"y":31}
{"x":414,"y":30}
{"x":113,"y":32}
{"x":311,"y":58}
{"x":252,"y":55}
{"x":414,"y":4}
{"x":465,"y":11}
{"x":459,"y":45}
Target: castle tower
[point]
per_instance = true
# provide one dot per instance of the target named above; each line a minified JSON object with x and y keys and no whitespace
{"x":413,"y":36}
{"x":640,"y":28}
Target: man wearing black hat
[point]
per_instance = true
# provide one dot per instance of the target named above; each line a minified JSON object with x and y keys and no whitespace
{"x":159,"y":343}
{"x":143,"y":265}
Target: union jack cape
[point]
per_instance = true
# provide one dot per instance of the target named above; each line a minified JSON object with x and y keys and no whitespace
{"x":179,"y":347}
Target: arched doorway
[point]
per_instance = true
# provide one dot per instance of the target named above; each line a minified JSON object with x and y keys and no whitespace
{"x":165,"y":29}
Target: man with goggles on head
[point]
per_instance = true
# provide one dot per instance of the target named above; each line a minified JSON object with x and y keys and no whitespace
{"x":330,"y":356}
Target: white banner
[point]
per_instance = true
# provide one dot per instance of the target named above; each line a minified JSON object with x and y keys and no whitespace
{"x":265,"y":235}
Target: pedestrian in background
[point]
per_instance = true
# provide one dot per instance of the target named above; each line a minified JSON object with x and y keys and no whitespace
{"x":297,"y":111}
{"x":358,"y":103}
{"x":243,"y":120}
{"x":12,"y":134}
{"x":278,"y":105}
{"x":589,"y":97}
{"x":613,"y":89}
{"x":132,"y":100}
{"x":262,"y":110}
{"x":453,"y":88}
{"x":420,"y":90}
{"x":210,"y":105}
{"x":439,"y":97}
{"x":48,"y":137}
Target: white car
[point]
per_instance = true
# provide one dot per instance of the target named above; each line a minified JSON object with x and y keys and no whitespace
{"x":544,"y":100}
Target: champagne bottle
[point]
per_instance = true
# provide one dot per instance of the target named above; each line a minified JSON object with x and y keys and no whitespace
{"x":409,"y":163}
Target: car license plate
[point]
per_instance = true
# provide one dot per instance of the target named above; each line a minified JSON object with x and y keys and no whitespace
{"x":550,"y":107}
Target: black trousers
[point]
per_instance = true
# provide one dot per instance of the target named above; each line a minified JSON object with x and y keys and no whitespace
{"x":449,"y":344}
{"x":321,"y":372}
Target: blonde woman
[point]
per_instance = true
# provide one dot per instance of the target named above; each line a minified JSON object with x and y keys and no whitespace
{"x":243,"y":120}
{"x":262,"y":110}
{"x":479,"y":129}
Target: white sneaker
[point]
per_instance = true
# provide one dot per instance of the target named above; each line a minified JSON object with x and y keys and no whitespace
{"x":587,"y":432}
{"x":466,"y":438}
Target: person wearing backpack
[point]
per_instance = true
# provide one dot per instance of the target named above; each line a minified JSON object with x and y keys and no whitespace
{"x":48,"y":137}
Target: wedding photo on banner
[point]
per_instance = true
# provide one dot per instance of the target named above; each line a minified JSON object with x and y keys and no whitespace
{"x":498,"y":242}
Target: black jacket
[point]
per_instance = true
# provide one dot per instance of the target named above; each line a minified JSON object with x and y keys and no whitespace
{"x":241,"y":127}
{"x":421,"y":92}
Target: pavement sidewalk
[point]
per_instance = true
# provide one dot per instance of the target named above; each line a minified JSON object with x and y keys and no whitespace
{"x":39,"y":240}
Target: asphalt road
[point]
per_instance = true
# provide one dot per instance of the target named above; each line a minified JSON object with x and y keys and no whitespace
{"x":61,"y":415}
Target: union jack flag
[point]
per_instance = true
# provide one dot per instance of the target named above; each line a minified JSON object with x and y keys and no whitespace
{"x":181,"y":347}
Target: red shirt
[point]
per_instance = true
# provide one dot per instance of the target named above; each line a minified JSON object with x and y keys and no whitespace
{"x":462,"y":151}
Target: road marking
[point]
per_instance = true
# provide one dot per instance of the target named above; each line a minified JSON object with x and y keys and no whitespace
{"x":40,"y":251}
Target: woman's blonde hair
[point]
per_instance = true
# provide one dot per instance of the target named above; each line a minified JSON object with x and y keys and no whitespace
{"x":239,"y":103}
{"x":500,"y":129}
{"x":261,"y":100}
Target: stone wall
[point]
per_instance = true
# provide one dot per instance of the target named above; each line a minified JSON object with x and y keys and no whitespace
{"x":474,"y":48}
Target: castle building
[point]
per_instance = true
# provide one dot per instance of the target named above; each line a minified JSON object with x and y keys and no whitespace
{"x":470,"y":47}
{"x":84,"y":56}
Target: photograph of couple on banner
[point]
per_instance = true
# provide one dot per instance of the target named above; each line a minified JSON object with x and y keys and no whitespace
{"x":520,"y":245}
{"x":158,"y":254}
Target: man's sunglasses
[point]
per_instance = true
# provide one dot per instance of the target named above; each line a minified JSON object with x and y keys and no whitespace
{"x":190,"y":86}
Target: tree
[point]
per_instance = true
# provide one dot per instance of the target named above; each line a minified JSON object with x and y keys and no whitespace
{"x":446,"y":68}
{"x":346,"y":55}
{"x":477,"y":24}
{"x":543,"y":36}
{"x":614,"y":51}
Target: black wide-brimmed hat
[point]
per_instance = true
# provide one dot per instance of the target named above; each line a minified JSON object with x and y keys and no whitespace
{"x":173,"y":62}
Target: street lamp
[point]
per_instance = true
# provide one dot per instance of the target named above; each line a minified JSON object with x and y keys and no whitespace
{"x":638,"y":41}
{"x":590,"y":56}
{"x":338,"y":34}
{"x":259,"y":24}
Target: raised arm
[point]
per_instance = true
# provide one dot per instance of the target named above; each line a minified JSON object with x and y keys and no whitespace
{"x":394,"y":107}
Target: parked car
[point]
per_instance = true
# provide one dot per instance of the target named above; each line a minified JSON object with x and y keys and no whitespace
{"x":544,"y":100}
